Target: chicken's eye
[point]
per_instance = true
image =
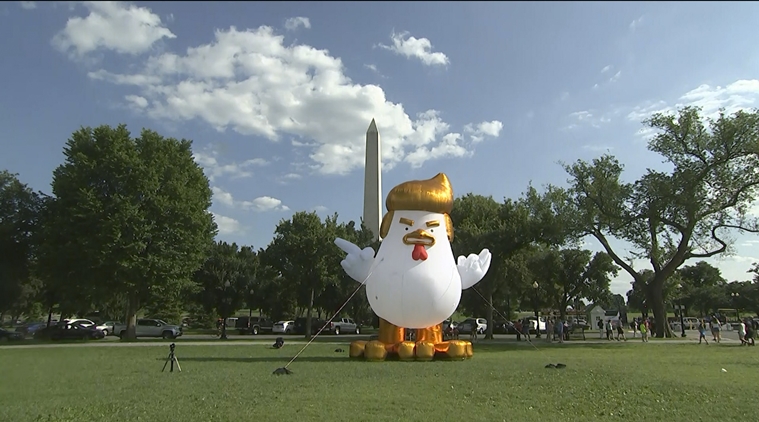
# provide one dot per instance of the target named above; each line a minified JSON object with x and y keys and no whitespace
{"x":406,"y":228}
{"x":432,"y":231}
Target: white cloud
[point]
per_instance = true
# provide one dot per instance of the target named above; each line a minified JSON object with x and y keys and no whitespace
{"x":616,"y":76}
{"x":208,"y":159}
{"x":261,"y":204}
{"x":374,"y":69}
{"x":598,"y":148}
{"x":478,"y":132}
{"x":636,"y":23}
{"x":253,"y":83}
{"x":28,"y":5}
{"x":292,"y":24}
{"x":111,"y":25}
{"x":267,"y":203}
{"x":606,"y":68}
{"x":136,"y":100}
{"x":421,"y":48}
{"x":226,"y":225}
{"x":736,"y":96}
{"x":586,"y":118}
{"x":320,"y":208}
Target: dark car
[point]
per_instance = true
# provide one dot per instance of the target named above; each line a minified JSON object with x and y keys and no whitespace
{"x":64,"y":331}
{"x":6,"y":335}
{"x":30,"y":328}
{"x":504,"y":327}
{"x":253,"y":325}
{"x":316,"y":325}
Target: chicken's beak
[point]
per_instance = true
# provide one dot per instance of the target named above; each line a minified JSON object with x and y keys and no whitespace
{"x":419,"y":237}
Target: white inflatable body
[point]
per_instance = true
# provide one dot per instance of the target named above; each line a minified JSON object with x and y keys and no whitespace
{"x":414,"y":293}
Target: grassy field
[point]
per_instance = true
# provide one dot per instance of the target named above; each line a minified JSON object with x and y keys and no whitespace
{"x":620,"y":381}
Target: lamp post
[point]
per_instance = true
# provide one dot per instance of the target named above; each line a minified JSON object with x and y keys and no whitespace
{"x":224,"y":304}
{"x":681,"y":308}
{"x":735,"y":296}
{"x":535,"y":286}
{"x":250,"y":308}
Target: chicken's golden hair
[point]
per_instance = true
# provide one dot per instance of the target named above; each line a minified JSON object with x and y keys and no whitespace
{"x":431,"y":195}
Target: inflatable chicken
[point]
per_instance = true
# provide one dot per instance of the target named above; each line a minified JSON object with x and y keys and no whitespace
{"x":413,"y":281}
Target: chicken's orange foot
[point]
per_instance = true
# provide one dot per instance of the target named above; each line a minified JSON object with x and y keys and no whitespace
{"x":376,"y":350}
{"x":454,"y":349}
{"x":369,"y":350}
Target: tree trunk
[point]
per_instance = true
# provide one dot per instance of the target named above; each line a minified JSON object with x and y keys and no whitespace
{"x":659,"y":308}
{"x":489,"y":316}
{"x":49,"y":315}
{"x":131,"y":317}
{"x":223,"y":329}
{"x":308,"y":314}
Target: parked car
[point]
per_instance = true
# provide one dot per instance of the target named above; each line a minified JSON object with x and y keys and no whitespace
{"x":81,"y":321}
{"x":343,"y":325}
{"x":449,"y":324}
{"x":150,"y":328}
{"x":504,"y":327}
{"x":253,"y":325}
{"x":108,"y":327}
{"x":69,"y":331}
{"x":30,"y":328}
{"x":283,"y":327}
{"x":6,"y":335}
{"x":479,"y":324}
{"x":541,"y":324}
{"x":316,"y":325}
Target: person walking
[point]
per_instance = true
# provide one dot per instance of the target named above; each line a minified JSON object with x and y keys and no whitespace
{"x":560,"y":330}
{"x":609,"y":331}
{"x":751,"y":328}
{"x":518,"y":329}
{"x":634,"y":326}
{"x":600,"y":329}
{"x":620,"y":331}
{"x":549,"y":330}
{"x":702,"y":332}
{"x":644,"y":331}
{"x":742,"y":333}
{"x":716,"y":329}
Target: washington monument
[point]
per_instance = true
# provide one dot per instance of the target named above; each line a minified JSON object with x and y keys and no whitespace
{"x":373,"y":181}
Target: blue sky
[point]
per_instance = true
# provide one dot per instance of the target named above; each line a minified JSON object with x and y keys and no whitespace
{"x":277,"y":96}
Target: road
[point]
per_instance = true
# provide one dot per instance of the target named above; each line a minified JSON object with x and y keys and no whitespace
{"x":728,"y":337}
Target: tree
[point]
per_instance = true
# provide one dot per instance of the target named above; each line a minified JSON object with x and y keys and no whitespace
{"x":339,"y":286}
{"x":131,"y":216}
{"x":481,"y":222}
{"x":299,"y":254}
{"x":703,"y":287}
{"x":568,"y":275}
{"x":223,"y":280}
{"x":19,"y":212}
{"x":671,"y":217}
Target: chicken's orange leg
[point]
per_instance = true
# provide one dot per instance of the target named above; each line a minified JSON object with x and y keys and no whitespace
{"x":390,"y":336}
{"x":429,"y":341}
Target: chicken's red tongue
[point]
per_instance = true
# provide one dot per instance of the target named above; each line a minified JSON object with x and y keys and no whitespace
{"x":419,"y":253}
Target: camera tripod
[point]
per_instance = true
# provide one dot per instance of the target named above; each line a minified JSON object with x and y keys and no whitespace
{"x":172,"y":358}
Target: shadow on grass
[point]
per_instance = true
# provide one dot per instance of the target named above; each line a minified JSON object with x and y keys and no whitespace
{"x":281,"y":359}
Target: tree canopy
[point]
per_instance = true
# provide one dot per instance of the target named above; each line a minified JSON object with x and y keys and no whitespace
{"x":131,"y":213}
{"x":672,"y":216}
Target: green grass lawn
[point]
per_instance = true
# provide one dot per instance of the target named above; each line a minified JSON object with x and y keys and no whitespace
{"x":621,"y":381}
